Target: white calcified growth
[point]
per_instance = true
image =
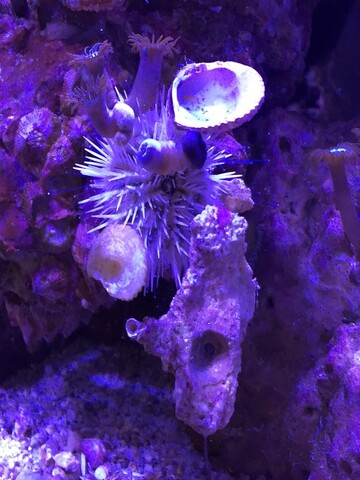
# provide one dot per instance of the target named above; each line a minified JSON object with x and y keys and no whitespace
{"x":220,"y":95}
{"x":200,"y":337}
{"x":160,"y":207}
{"x":117,"y":259}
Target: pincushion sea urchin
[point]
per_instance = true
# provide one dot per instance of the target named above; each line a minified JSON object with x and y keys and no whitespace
{"x":156,"y":184}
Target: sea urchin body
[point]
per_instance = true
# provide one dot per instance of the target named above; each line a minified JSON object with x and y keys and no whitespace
{"x":158,"y":202}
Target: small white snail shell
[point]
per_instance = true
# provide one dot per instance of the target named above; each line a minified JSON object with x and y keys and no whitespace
{"x":123,"y":117}
{"x":116,"y":122}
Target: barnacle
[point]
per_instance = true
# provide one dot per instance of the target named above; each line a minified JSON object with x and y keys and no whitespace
{"x":35,"y":134}
{"x":38,"y":128}
{"x":51,"y":279}
{"x":159,"y":204}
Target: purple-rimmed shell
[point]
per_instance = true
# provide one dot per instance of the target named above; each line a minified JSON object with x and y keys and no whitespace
{"x":216,"y":95}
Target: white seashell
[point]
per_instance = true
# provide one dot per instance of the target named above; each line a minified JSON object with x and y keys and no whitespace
{"x":117,"y":259}
{"x":216,"y":95}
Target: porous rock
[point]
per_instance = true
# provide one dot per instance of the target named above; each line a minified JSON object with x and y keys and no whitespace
{"x":199,"y":339}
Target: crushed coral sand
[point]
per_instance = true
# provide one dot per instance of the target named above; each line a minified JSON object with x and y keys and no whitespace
{"x":105,"y":395}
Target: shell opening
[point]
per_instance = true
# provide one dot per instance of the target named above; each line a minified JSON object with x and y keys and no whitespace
{"x":132,"y":328}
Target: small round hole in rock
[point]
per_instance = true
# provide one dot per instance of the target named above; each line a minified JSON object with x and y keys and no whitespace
{"x":207,"y":348}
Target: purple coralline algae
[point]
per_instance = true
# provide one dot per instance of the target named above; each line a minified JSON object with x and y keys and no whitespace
{"x":308,"y":272}
{"x":41,"y":284}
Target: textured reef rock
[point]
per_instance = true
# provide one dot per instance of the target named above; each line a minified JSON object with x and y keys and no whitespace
{"x":200,"y":338}
{"x":295,"y":414}
{"x":42,"y":290}
{"x":324,"y":414}
{"x":307,"y":270}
